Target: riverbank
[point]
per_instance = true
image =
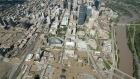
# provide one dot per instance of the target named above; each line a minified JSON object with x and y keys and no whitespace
{"x":134,"y":44}
{"x":125,"y":54}
{"x":128,"y":12}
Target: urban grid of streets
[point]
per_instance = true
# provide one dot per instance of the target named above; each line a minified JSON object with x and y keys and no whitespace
{"x":58,"y":46}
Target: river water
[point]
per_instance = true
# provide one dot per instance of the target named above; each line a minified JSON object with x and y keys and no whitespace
{"x":125,"y":55}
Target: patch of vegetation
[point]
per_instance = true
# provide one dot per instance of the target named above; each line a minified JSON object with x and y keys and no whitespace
{"x":130,"y":32}
{"x":49,"y":35}
{"x":121,"y":6}
{"x":135,"y":69}
{"x":110,"y":35}
{"x":106,"y":63}
{"x":119,"y":9}
{"x":79,"y":29}
{"x":61,"y":31}
{"x":137,"y":40}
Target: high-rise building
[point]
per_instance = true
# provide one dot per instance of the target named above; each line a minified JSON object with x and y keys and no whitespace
{"x":74,"y":4}
{"x":74,"y":15}
{"x":80,"y":1}
{"x":89,"y":11}
{"x":96,"y":3}
{"x":82,"y":14}
{"x":69,"y":6}
{"x":11,"y":1}
{"x":90,"y":2}
{"x":65,"y":4}
{"x":1,"y":21}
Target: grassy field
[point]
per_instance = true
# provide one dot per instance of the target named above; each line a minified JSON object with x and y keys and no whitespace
{"x":137,"y":40}
{"x":130,"y":33}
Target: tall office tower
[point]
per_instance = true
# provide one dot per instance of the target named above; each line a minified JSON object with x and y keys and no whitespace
{"x":80,"y":1}
{"x":89,"y":11}
{"x":5,"y":22}
{"x":1,"y":7}
{"x":56,"y":19}
{"x":49,"y":12}
{"x":74,"y":4}
{"x":74,"y":15}
{"x":65,"y":4}
{"x":84,"y":1}
{"x":62,"y":4}
{"x":97,"y":3}
{"x":48,"y":20}
{"x":69,"y":6}
{"x":1,"y":21}
{"x":90,"y":2}
{"x":82,"y":14}
{"x":59,"y":14}
{"x":11,"y":21}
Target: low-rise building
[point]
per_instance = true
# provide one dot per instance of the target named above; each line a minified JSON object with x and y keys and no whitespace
{"x":70,"y":45}
{"x":29,"y":57}
{"x":68,"y":53}
{"x":81,"y":45}
{"x":107,"y":47}
{"x":92,"y":43}
{"x":53,"y":41}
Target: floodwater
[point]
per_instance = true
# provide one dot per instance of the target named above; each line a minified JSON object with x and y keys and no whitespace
{"x":125,"y":55}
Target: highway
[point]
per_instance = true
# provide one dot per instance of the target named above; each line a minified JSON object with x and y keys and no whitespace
{"x":114,"y":55}
{"x":94,"y":65}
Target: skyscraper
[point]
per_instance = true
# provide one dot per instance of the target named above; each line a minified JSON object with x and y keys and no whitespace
{"x":82,"y":14}
{"x":96,"y":3}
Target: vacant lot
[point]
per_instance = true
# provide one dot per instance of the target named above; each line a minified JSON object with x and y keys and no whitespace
{"x":4,"y":69}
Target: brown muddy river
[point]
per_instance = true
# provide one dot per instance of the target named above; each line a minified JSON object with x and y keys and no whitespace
{"x":125,"y":55}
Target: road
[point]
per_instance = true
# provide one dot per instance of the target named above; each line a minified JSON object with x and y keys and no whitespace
{"x":97,"y":69}
{"x":28,"y":50}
